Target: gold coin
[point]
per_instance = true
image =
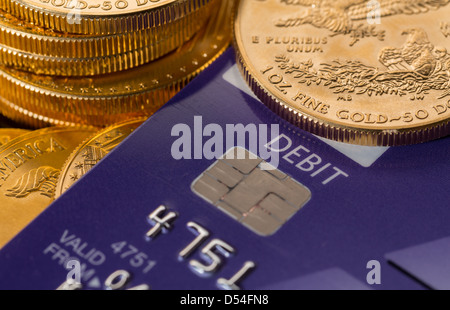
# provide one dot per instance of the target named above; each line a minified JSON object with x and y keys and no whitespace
{"x":29,"y":168}
{"x":43,"y":51}
{"x":91,"y":151}
{"x":100,"y":17}
{"x":350,"y":72}
{"x":7,"y":134}
{"x":108,"y":99}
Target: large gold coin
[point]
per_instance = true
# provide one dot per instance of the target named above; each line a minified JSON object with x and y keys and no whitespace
{"x":44,"y":51}
{"x":109,"y":99}
{"x":7,"y":134}
{"x":91,"y":151}
{"x":100,"y":17}
{"x":372,"y":73}
{"x":29,"y":168}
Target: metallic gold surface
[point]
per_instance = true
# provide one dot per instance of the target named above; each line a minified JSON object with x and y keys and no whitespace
{"x":99,"y":17}
{"x":44,"y":51}
{"x":91,"y":151}
{"x":109,"y":99}
{"x":23,"y":117}
{"x":8,"y":123}
{"x":7,"y":134}
{"x":330,"y":68}
{"x":29,"y":168}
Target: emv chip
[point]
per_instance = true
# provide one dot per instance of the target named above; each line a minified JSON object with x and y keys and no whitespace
{"x":262,"y":200}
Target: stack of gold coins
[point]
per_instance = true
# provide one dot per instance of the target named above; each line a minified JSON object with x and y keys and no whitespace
{"x":110,"y":69}
{"x":72,"y":62}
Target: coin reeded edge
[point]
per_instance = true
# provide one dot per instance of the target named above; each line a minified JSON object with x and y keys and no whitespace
{"x":58,"y":45}
{"x":82,"y":66}
{"x":101,"y":25}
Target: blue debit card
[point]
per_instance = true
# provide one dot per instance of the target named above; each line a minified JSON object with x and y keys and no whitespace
{"x":217,"y":192}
